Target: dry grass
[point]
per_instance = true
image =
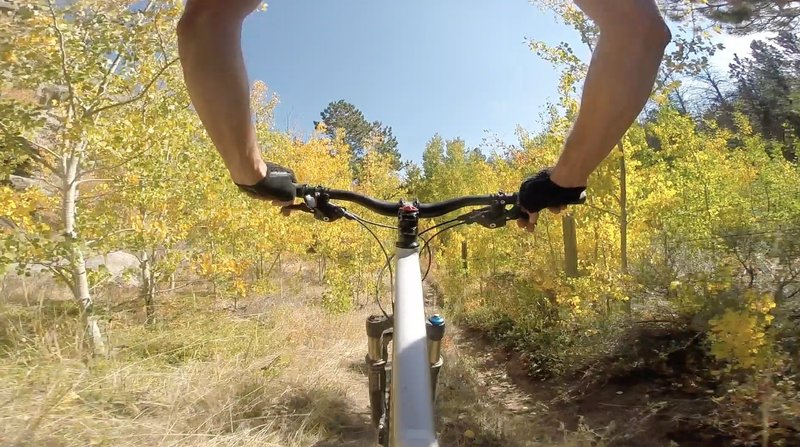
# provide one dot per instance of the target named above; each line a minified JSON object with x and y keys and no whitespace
{"x":31,"y":290}
{"x":271,"y":372}
{"x":283,"y":377}
{"x":479,"y":406}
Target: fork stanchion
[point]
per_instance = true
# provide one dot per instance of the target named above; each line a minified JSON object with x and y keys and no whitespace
{"x":435,"y":331}
{"x":376,"y":359}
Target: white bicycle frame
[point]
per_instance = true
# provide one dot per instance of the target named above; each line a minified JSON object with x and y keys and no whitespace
{"x":414,"y":371}
{"x":411,"y":413}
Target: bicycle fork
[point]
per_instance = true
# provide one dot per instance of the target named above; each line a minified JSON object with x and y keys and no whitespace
{"x":379,"y":335}
{"x":435,"y":331}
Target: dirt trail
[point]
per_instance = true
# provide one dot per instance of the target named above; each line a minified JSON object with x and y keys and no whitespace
{"x":279,"y":370}
{"x":332,"y":349}
{"x":487,"y":399}
{"x":640,"y":407}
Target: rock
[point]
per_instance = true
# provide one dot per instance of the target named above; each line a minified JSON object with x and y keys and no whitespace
{"x":19,"y":182}
{"x":122,"y":267}
{"x":8,"y":5}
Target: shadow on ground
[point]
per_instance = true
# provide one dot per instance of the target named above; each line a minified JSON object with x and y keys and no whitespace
{"x":327,"y":412}
{"x":359,"y":367}
{"x":466,"y":416}
{"x":657,"y":391}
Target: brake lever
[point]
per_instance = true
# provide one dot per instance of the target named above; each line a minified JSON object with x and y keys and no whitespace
{"x":494,"y":216}
{"x":319,"y":206}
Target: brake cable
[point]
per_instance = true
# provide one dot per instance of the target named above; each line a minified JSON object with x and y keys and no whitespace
{"x":363,"y":223}
{"x":427,"y":245}
{"x":388,"y":263}
{"x":439,"y":225}
{"x":493,"y":216}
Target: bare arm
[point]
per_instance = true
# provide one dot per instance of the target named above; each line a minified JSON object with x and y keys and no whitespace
{"x":209,"y":44}
{"x":621,"y":76}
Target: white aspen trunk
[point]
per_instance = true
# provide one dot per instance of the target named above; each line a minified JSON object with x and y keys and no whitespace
{"x":148,"y":287}
{"x":214,"y":277}
{"x":80,"y":279}
{"x":280,"y":274}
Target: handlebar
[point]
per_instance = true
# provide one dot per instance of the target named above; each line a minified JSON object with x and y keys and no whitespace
{"x":386,"y":208}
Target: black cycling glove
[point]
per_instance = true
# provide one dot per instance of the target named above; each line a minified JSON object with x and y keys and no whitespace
{"x":539,"y":192}
{"x":279,"y":184}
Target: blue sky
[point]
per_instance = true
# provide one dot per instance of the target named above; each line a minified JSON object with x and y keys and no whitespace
{"x":459,"y":68}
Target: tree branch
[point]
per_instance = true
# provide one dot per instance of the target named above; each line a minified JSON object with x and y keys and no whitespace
{"x":136,"y":97}
{"x":785,"y":281}
{"x":603,"y":210}
{"x":101,"y":87}
{"x":55,"y":187}
{"x":160,"y":37}
{"x":187,"y":284}
{"x":113,"y":233}
{"x":26,"y":146}
{"x":8,"y":132}
{"x":38,"y":158}
{"x":57,"y":271}
{"x":135,"y":155}
{"x":79,"y":182}
{"x":87,"y":197}
{"x":63,"y":54}
{"x":52,"y":266}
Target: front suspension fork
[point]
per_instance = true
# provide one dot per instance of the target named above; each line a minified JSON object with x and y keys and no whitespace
{"x":435,"y":331}
{"x":379,"y":334}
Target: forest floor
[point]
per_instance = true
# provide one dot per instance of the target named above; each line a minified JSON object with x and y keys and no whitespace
{"x":606,"y":406}
{"x":272,"y":372}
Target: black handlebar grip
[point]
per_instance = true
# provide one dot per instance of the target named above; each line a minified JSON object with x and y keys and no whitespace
{"x":539,"y":192}
{"x":515,"y":213}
